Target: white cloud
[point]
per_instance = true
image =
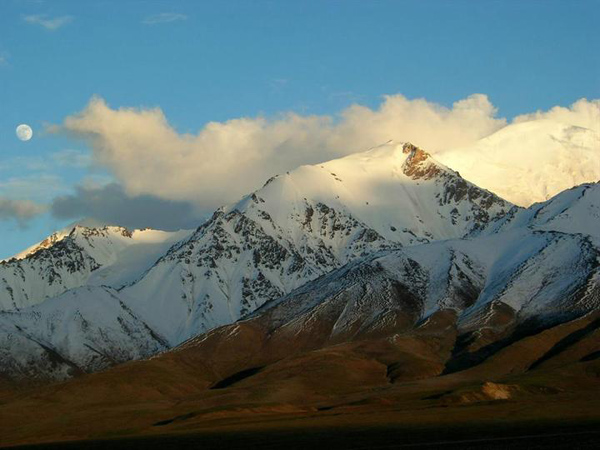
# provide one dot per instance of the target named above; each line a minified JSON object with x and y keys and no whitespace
{"x":49,"y":23}
{"x":583,"y":113}
{"x":225,"y":160}
{"x":19,"y":210}
{"x":163,"y":18}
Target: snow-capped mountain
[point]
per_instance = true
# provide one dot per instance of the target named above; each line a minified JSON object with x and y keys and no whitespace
{"x":435,"y":308}
{"x":77,"y":256}
{"x":525,"y":272}
{"x":368,"y":243}
{"x":298,"y":227}
{"x":304,"y":224}
{"x":498,"y":280}
{"x":530,"y":161}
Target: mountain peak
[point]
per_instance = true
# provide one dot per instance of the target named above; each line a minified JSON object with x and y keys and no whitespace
{"x":419,"y":164}
{"x":529,"y":162}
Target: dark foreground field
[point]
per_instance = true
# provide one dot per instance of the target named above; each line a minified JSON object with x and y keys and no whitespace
{"x":524,"y":436}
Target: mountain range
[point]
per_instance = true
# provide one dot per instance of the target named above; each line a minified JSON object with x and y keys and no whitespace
{"x":296,"y":228}
{"x":92,"y":296}
{"x":342,"y":282}
{"x":530,"y":161}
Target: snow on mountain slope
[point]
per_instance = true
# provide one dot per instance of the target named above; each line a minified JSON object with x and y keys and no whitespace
{"x":85,"y":329}
{"x":77,"y":256}
{"x":576,"y":210}
{"x":497,"y":282}
{"x":532,"y":268}
{"x":304,"y":224}
{"x":531,"y":161}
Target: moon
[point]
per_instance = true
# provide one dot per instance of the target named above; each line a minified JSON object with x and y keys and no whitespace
{"x":24,"y":132}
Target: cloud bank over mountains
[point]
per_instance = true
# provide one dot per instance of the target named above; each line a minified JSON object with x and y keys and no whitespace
{"x":170,"y":180}
{"x":109,"y":204}
{"x":225,"y":160}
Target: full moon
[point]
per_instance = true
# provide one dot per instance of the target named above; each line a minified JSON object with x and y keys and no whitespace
{"x":24,"y":132}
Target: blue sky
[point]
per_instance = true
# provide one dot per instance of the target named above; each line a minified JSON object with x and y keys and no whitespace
{"x":214,"y":61}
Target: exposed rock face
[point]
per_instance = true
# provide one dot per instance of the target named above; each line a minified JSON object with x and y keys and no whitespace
{"x":419,"y":163}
